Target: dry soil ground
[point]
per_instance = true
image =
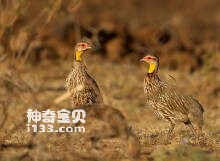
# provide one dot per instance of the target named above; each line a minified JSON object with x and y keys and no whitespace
{"x":122,"y":87}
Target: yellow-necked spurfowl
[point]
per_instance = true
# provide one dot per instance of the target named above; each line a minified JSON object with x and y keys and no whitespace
{"x":168,"y":103}
{"x":83,"y":88}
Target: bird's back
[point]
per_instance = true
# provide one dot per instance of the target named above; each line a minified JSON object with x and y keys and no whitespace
{"x":168,"y":102}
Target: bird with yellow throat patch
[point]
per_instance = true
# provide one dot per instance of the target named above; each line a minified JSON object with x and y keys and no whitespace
{"x":168,"y":103}
{"x":83,"y":88}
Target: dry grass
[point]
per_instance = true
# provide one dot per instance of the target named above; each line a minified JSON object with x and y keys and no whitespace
{"x":121,"y":86}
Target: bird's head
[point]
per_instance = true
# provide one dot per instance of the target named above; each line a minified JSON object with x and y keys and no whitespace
{"x":153,"y":62}
{"x":80,"y":48}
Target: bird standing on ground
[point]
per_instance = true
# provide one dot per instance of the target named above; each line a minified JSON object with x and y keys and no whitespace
{"x":82,"y":87}
{"x":168,"y":103}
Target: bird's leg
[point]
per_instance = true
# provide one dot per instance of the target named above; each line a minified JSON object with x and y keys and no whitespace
{"x":192,"y":129}
{"x":199,"y":132}
{"x":170,"y":130}
{"x":189,"y":124}
{"x":196,"y":133}
{"x":172,"y":126}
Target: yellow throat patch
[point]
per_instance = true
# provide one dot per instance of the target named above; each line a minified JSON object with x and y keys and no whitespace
{"x":79,"y":56}
{"x":152,"y":67}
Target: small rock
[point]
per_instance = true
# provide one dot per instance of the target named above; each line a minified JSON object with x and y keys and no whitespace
{"x":184,"y":141}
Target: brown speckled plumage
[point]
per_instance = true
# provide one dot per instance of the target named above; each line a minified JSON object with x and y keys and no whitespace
{"x":170,"y":104}
{"x":83,"y":88}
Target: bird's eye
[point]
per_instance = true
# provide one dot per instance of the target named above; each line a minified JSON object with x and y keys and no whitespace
{"x":149,"y":58}
{"x":83,"y":45}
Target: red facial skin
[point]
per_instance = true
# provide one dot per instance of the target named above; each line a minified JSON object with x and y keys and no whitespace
{"x":82,"y":46}
{"x":149,"y":59}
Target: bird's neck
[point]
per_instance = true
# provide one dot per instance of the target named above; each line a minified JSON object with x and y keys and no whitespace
{"x":151,"y":77}
{"x":79,"y":66}
{"x":78,"y":56}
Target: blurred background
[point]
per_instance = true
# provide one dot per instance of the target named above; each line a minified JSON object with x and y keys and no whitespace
{"x":184,"y":33}
{"x":37,"y":39}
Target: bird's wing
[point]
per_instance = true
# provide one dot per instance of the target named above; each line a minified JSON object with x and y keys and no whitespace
{"x":184,"y":100}
{"x":173,"y":103}
{"x":95,"y":86}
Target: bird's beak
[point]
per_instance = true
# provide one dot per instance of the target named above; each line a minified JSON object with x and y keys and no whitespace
{"x":88,"y":47}
{"x":142,"y":59}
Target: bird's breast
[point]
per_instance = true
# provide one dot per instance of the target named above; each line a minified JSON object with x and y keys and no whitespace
{"x":79,"y":87}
